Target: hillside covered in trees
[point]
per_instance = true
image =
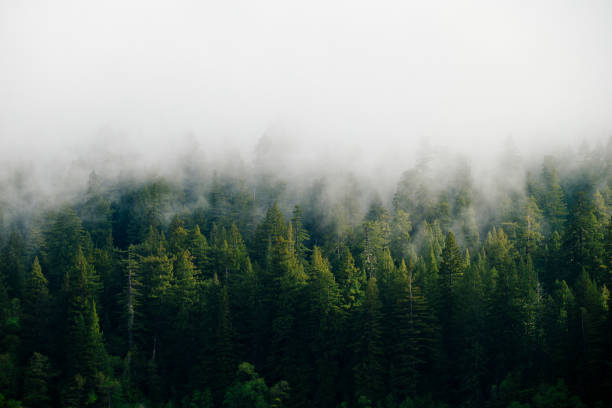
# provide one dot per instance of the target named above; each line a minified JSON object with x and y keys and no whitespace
{"x":254,"y":290}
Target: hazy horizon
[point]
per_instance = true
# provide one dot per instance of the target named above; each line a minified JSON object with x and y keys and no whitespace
{"x":373,"y":76}
{"x":361,"y":88}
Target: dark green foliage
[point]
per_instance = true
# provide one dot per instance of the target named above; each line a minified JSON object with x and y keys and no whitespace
{"x":251,"y":391}
{"x":300,"y":233}
{"x":368,"y":351}
{"x":198,"y":246}
{"x":63,"y":240}
{"x":151,"y":295}
{"x":583,"y":245}
{"x":35,"y":305}
{"x":550,"y":196}
{"x":268,"y":232}
{"x":36,"y":382}
{"x":12,"y":266}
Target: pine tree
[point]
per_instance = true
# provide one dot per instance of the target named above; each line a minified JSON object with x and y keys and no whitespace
{"x":531,"y":231}
{"x":470,"y":320}
{"x":368,"y":350}
{"x":96,"y":214}
{"x":554,"y":261}
{"x":154,"y":243}
{"x":451,"y":269}
{"x":198,"y":247}
{"x":36,"y":382}
{"x":158,"y":312}
{"x":35,"y":307}
{"x":452,"y":266}
{"x":236,"y":256}
{"x":180,"y":302}
{"x":85,"y":351}
{"x":593,"y":309}
{"x":324,"y":297}
{"x":401,"y":227}
{"x":506,"y":307}
{"x":583,"y":239}
{"x":288,"y":306}
{"x":300,"y":233}
{"x":377,"y":236}
{"x":608,"y":254}
{"x":242,"y":289}
{"x":178,"y":237}
{"x":411,"y":349}
{"x":558,"y":321}
{"x":131,"y":302}
{"x":13,"y":265}
{"x":268,"y":232}
{"x":64,"y":239}
{"x":224,"y":353}
{"x":350,"y":280}
{"x":184,"y":284}
{"x":552,"y":199}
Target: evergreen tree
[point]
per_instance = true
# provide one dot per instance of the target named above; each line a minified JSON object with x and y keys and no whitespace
{"x":470,"y":320}
{"x":452,"y":266}
{"x":224,"y":354}
{"x":558,"y":321}
{"x":324,"y":297}
{"x":400,"y":234}
{"x":85,"y":352}
{"x":36,"y":382}
{"x":62,"y":240}
{"x":178,"y":237}
{"x":451,"y":269}
{"x":300,"y":233}
{"x":35,"y":306}
{"x":198,"y":247}
{"x":530,"y":228}
{"x":13,"y":265}
{"x":411,"y":352}
{"x":368,"y":351}
{"x":268,"y":232}
{"x":583,"y":239}
{"x":592,"y":313}
{"x":287,"y":349}
{"x":551,"y":196}
{"x":350,"y":279}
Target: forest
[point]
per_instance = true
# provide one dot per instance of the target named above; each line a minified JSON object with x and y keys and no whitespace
{"x":251,"y":289}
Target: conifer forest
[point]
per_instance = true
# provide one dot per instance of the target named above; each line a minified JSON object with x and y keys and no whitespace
{"x":250,"y":289}
{"x":305,"y":204}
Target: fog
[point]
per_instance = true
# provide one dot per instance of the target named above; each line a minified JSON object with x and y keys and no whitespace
{"x":124,"y":86}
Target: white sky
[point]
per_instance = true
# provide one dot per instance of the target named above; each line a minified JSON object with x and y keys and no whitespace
{"x":375,"y":74}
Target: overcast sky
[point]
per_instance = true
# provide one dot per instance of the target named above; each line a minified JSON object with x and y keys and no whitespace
{"x":370,"y":73}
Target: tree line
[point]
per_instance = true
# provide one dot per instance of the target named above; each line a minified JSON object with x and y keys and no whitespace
{"x":114,"y":299}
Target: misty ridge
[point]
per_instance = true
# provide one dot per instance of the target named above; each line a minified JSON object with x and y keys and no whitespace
{"x":321,"y":176}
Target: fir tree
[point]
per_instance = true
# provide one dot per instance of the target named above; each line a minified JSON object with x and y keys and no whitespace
{"x":35,"y":306}
{"x":368,"y":351}
{"x":36,"y":382}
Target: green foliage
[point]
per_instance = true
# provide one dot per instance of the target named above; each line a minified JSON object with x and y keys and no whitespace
{"x":369,"y":352}
{"x":9,"y":403}
{"x":555,"y":396}
{"x":251,"y":391}
{"x":12,"y":267}
{"x":150,"y":294}
{"x":36,"y":382}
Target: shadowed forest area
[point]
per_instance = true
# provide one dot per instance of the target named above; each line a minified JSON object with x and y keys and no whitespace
{"x":257,"y":290}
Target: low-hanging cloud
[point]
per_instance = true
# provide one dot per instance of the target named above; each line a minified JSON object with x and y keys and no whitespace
{"x":125,"y":87}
